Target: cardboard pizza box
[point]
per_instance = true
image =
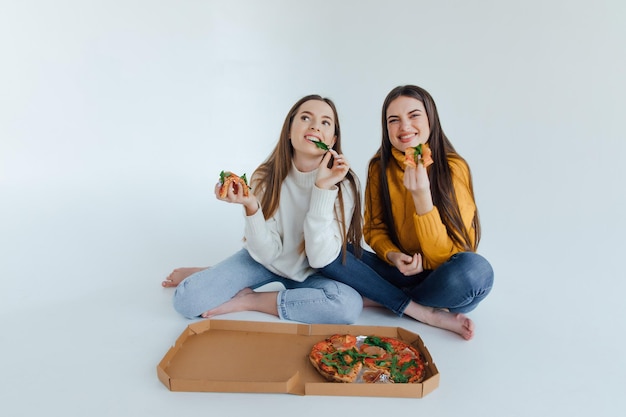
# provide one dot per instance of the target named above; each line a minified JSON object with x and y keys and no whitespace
{"x":250,"y":356}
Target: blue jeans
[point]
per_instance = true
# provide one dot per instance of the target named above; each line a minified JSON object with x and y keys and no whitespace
{"x":316,"y":300}
{"x":458,"y":284}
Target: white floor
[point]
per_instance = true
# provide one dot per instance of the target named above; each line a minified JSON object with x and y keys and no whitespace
{"x":85,"y":322}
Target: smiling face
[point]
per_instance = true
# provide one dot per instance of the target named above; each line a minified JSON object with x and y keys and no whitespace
{"x":314,"y":121}
{"x":407,"y":123}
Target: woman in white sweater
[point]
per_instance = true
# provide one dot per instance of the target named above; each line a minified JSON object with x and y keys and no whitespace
{"x":302,"y":211}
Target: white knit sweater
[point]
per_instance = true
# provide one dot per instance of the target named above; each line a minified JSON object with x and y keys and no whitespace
{"x":304,"y":233}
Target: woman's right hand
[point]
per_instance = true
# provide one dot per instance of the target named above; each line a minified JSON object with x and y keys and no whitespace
{"x":406,"y":264}
{"x":250,"y":201}
{"x":329,"y":177}
{"x":416,"y":181}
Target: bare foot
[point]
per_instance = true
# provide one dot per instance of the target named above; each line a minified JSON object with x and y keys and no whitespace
{"x":246,"y":300}
{"x":178,"y":275}
{"x":455,"y":322}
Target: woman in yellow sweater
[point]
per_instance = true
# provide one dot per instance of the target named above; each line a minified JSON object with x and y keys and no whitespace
{"x":421,"y":221}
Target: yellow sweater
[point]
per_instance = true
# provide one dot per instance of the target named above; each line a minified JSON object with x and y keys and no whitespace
{"x":425,"y":234}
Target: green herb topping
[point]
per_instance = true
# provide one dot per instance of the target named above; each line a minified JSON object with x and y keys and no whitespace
{"x":343,"y":360}
{"x":418,"y":151}
{"x":321,"y":145}
{"x":376,"y":341}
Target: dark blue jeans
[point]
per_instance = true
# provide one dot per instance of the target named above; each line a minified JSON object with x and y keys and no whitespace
{"x":459,"y":284}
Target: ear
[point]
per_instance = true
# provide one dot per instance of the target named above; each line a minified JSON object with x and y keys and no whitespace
{"x":333,"y":141}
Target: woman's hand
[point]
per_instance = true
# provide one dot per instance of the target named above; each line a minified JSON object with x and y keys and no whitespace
{"x":328,"y":177}
{"x":408,"y":265}
{"x":234,"y":195}
{"x":416,"y":179}
{"x":417,"y":182}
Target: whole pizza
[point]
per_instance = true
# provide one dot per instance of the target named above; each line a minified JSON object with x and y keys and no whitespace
{"x":369,"y":359}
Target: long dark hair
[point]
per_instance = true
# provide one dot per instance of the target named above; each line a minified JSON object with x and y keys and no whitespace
{"x":444,"y":197}
{"x":270,"y":175}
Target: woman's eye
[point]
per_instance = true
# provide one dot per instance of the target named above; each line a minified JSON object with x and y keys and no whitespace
{"x":393,"y":121}
{"x":326,"y":122}
{"x":304,"y":117}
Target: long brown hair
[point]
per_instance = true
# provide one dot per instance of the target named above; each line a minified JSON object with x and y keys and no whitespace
{"x":269,"y":176}
{"x":444,"y":197}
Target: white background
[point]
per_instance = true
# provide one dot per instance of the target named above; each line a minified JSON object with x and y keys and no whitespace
{"x":117,"y":116}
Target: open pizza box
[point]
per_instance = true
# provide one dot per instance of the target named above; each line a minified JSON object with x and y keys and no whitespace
{"x":248,"y":356}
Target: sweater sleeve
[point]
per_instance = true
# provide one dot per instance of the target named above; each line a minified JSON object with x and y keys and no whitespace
{"x":436,"y":245}
{"x":262,"y":239}
{"x":375,"y":230}
{"x":323,"y":236}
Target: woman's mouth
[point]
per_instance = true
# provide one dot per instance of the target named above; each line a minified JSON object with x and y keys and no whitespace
{"x":407,"y":137}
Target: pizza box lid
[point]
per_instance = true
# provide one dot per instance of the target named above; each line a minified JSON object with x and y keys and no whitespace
{"x":252,"y":356}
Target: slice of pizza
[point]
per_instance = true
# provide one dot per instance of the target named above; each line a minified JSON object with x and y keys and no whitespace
{"x":400,"y":361}
{"x":336,"y":360}
{"x":228,"y":179}
{"x":378,"y":352}
{"x":407,"y":364}
{"x":420,"y":153}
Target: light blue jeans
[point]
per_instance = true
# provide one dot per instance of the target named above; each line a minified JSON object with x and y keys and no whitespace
{"x":316,"y":300}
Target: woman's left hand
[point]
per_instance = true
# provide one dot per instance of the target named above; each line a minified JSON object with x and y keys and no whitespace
{"x":328,"y":177}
